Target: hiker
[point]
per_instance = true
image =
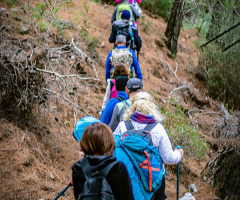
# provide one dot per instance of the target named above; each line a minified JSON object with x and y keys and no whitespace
{"x":121,"y":54}
{"x":120,"y":70}
{"x":134,"y":85}
{"x":97,"y":143}
{"x":122,"y":95}
{"x":141,"y":113}
{"x":124,"y":5}
{"x":123,"y":27}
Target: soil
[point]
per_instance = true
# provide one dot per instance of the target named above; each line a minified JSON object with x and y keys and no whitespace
{"x":36,"y":157}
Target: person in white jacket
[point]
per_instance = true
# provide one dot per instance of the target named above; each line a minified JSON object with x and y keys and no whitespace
{"x":142,"y":112}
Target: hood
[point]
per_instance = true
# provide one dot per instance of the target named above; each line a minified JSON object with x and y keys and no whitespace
{"x":99,"y":162}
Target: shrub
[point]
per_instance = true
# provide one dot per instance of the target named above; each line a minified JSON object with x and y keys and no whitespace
{"x":182,"y":132}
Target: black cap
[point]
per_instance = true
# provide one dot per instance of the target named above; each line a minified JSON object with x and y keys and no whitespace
{"x":134,"y":84}
{"x":121,"y":83}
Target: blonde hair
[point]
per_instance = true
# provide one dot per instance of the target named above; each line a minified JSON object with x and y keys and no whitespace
{"x":143,"y":103}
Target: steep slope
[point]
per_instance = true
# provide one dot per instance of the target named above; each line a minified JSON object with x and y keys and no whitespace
{"x":36,"y":157}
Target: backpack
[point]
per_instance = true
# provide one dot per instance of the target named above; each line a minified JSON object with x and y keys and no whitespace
{"x":123,"y":56}
{"x":114,"y":93}
{"x":124,"y":6}
{"x":123,"y":27}
{"x":145,"y":157}
{"x":96,"y":186}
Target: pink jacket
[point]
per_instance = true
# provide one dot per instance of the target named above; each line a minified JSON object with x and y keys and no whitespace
{"x":130,"y":1}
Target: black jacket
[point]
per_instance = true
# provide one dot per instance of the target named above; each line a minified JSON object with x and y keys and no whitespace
{"x":117,"y":177}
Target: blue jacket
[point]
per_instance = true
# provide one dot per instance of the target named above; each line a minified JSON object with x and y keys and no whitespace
{"x":135,"y":64}
{"x":138,"y":190}
{"x":107,"y":113}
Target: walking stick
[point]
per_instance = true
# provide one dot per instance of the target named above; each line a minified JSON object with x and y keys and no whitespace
{"x":138,"y":55}
{"x":178,"y":172}
{"x":64,"y":190}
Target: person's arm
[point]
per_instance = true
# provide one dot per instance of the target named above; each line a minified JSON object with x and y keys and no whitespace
{"x":77,"y":179}
{"x":135,"y":12}
{"x":115,"y":118}
{"x":136,"y":65}
{"x":137,"y":39}
{"x":107,"y":113}
{"x":107,"y":96}
{"x":124,"y":186}
{"x":108,"y":66}
{"x":162,"y":141}
{"x":114,"y":15}
{"x":112,"y":37}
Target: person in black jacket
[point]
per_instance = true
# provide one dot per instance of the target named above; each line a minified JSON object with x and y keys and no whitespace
{"x":97,"y":143}
{"x":133,"y":39}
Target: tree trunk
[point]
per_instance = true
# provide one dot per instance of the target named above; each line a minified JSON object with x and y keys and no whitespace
{"x":174,"y":26}
{"x":223,"y":173}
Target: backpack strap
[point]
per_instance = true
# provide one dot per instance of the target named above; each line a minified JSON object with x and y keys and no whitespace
{"x":86,"y":168}
{"x":149,"y":127}
{"x":129,"y":125}
{"x":120,"y":99}
{"x":106,"y":169}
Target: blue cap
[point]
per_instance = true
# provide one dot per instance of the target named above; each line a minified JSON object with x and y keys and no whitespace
{"x":81,"y":125}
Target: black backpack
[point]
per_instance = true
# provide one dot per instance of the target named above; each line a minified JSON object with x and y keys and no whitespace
{"x":122,"y":27}
{"x":145,"y":132}
{"x":96,"y":186}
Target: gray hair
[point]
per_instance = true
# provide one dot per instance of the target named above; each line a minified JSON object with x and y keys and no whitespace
{"x":120,"y":39}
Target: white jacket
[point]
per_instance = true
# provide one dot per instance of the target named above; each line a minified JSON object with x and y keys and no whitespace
{"x":160,"y":140}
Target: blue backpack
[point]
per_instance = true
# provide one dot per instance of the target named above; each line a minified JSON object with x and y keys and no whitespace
{"x":145,"y":158}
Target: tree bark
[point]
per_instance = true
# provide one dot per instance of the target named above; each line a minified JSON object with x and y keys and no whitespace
{"x":174,"y":25}
{"x":223,"y":173}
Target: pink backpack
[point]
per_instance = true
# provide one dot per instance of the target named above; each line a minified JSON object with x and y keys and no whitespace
{"x":114,"y":93}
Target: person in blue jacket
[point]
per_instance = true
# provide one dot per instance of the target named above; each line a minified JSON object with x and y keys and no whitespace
{"x":121,"y":45}
{"x":122,"y":95}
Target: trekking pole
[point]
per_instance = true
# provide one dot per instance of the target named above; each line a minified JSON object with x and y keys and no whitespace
{"x":178,"y":172}
{"x":138,"y":55}
{"x":64,"y":190}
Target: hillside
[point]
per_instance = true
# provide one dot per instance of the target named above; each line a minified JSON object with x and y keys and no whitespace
{"x":65,"y":65}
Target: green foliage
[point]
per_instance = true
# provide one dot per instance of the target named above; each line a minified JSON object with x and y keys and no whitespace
{"x":84,"y":31}
{"x":182,"y":132}
{"x":10,"y":3}
{"x":221,"y":70}
{"x":159,"y":7}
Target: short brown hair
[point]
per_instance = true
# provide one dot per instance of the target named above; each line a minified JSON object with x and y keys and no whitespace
{"x":97,"y":139}
{"x":120,"y":70}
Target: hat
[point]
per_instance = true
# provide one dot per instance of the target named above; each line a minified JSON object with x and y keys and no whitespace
{"x":134,"y":84}
{"x":121,"y":83}
{"x":81,"y":125}
{"x":125,"y":14}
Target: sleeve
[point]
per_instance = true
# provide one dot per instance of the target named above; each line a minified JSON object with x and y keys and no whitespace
{"x":135,"y":12}
{"x":107,"y":96}
{"x":108,"y":66}
{"x":136,"y":65}
{"x":138,"y":40}
{"x":107,"y":113}
{"x":78,"y":179}
{"x":114,"y":15}
{"x":112,"y":37}
{"x":115,"y":118}
{"x":162,"y":142}
{"x":125,"y":186}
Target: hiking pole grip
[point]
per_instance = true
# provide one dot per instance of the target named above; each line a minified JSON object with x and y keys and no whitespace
{"x":64,"y":190}
{"x":178,"y":171}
